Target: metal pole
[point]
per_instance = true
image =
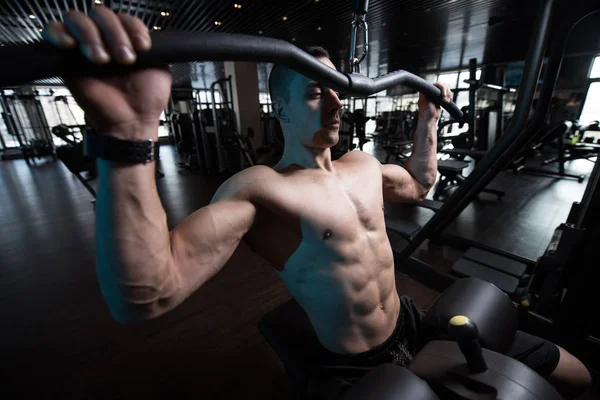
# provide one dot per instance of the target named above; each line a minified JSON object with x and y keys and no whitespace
{"x":218,"y":142}
{"x":472,"y":103}
{"x":500,"y":116}
{"x":490,"y":165}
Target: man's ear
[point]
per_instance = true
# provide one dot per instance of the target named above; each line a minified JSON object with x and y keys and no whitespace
{"x":280,"y":112}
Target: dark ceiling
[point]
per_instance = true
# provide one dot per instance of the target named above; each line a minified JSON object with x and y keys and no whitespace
{"x":416,"y":35}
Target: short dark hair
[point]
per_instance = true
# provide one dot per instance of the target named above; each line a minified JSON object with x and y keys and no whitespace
{"x":281,"y":76}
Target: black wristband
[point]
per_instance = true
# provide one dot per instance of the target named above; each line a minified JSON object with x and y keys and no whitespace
{"x":112,"y":149}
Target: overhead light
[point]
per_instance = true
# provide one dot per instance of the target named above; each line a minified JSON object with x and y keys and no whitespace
{"x":237,"y":5}
{"x":293,"y":39}
{"x":285,"y":18}
{"x":98,"y":1}
{"x":31,"y":16}
{"x":319,"y":28}
{"x":157,"y":28}
{"x":164,"y":14}
{"x":316,"y":1}
{"x":218,"y":23}
{"x":260,"y":32}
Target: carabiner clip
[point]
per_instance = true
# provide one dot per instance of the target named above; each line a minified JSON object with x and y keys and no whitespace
{"x":359,"y":22}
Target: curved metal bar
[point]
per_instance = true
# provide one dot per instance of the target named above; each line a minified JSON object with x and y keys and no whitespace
{"x":23,"y":64}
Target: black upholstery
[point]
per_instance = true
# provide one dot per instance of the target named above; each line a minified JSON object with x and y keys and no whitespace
{"x":490,"y":308}
{"x":406,"y":228}
{"x":390,"y":382}
{"x":455,"y":166}
{"x":443,"y":366}
{"x":468,"y":268}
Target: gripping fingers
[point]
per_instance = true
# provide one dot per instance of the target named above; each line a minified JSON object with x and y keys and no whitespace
{"x":114,"y":33}
{"x":56,"y":33}
{"x":446,"y":92}
{"x":88,"y":35}
{"x":137,"y":31}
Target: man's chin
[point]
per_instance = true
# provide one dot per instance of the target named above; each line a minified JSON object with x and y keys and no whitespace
{"x":325,"y":138}
{"x":330,"y":138}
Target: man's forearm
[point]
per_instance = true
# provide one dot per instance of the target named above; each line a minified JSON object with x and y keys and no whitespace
{"x":422,"y":164}
{"x":132,"y":238}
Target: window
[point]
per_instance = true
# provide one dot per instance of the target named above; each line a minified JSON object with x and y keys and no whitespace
{"x":430,"y":77}
{"x":265,"y":102}
{"x":464,"y":75}
{"x":448,"y":79}
{"x":462,"y":98}
{"x":595,"y":72}
{"x":591,"y":107}
{"x":163,"y":130}
{"x":9,"y":140}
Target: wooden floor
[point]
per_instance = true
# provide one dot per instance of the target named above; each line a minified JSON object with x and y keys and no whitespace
{"x":59,"y":341}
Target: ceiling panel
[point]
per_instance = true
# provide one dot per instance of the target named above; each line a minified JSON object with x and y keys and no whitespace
{"x":417,"y":35}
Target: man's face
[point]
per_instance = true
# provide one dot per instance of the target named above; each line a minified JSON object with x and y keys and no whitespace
{"x":313,"y":111}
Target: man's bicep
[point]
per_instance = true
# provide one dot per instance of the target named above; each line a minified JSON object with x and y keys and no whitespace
{"x":399,"y":186}
{"x":203,"y":243}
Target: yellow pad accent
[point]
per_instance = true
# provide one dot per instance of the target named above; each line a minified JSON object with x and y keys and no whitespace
{"x":459,"y":320}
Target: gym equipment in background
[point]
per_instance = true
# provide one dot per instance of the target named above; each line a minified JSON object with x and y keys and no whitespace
{"x":205,"y":132}
{"x":501,"y":268}
{"x":25,"y":120}
{"x":555,"y":136}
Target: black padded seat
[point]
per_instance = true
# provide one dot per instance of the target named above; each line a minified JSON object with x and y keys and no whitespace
{"x":452,"y":165}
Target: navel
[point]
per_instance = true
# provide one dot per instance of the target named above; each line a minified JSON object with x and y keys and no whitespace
{"x":381,"y":306}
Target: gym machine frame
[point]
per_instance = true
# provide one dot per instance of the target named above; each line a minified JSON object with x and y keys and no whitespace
{"x":226,"y":104}
{"x":494,"y":162}
{"x":39,"y":143}
{"x":559,"y":159}
{"x":488,"y":167}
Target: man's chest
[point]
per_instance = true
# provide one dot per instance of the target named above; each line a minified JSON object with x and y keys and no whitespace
{"x":352,"y":198}
{"x":321,"y":212}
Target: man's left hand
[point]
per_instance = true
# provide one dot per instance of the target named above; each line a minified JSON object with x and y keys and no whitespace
{"x":428,"y":109}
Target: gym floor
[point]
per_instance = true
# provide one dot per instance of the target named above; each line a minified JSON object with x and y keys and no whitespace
{"x":59,"y":341}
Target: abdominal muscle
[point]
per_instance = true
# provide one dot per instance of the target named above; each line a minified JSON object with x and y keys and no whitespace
{"x":348,"y":290}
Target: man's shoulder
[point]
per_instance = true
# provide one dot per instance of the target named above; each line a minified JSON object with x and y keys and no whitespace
{"x":247,"y":183}
{"x":358,"y":156}
{"x":255,"y":174}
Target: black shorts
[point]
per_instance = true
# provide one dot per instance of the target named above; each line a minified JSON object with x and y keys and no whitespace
{"x":409,"y":336}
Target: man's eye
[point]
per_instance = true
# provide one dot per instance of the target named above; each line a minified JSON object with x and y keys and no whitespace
{"x":314,"y":95}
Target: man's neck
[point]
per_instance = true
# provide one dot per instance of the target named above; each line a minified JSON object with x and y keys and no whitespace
{"x":306,"y":157}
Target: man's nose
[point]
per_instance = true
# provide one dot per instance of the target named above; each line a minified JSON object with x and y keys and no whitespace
{"x":334,"y":103}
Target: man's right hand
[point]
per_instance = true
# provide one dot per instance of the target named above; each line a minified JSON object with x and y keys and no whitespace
{"x":127,"y":106}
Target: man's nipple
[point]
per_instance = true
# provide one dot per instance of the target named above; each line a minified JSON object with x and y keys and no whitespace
{"x":327,"y":234}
